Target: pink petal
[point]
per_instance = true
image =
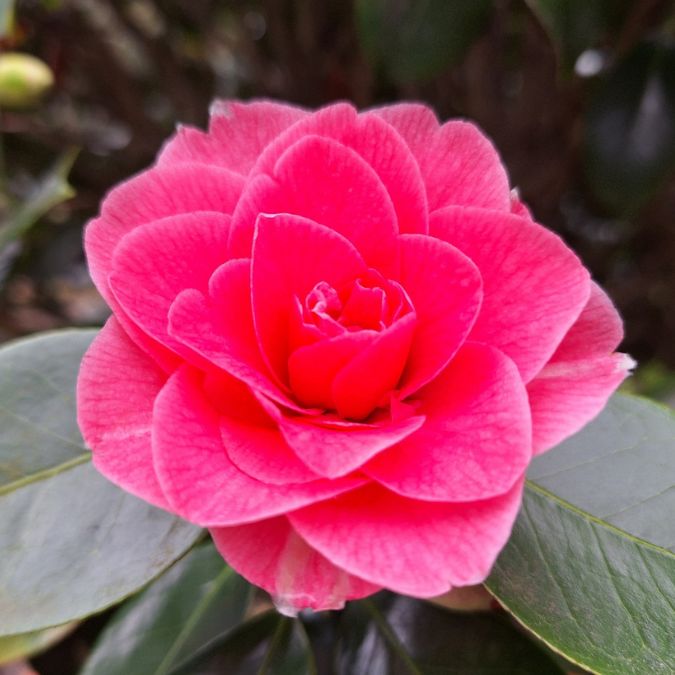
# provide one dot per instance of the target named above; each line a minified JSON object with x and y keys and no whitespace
{"x":330,"y":121}
{"x":334,"y":450}
{"x":597,"y":332}
{"x":564,"y":396}
{"x":250,"y":436}
{"x":198,"y":478}
{"x":581,"y":376}
{"x":459,"y":165}
{"x":534,"y":287}
{"x":445,"y":289}
{"x":412,"y":547}
{"x":238,"y":133}
{"x":377,"y":143}
{"x":294,"y":574}
{"x":152,"y":195}
{"x":116,"y":390}
{"x":262,"y":453}
{"x":387,"y":153}
{"x":476,"y":442}
{"x":365,"y":382}
{"x":154,"y":263}
{"x":312,"y":369}
{"x":290,"y":255}
{"x":325,"y":181}
{"x":219,"y":329}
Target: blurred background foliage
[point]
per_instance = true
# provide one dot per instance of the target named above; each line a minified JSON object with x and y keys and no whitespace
{"x":578,"y":96}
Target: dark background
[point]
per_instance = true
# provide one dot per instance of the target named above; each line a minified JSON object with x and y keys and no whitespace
{"x":578,"y":96}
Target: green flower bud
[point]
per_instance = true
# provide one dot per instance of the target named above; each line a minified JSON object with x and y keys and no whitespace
{"x":24,"y":80}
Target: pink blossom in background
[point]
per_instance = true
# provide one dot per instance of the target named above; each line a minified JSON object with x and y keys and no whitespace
{"x":337,"y":340}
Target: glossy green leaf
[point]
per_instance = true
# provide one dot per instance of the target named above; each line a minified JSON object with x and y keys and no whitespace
{"x":401,"y":636}
{"x":13,"y":647}
{"x":578,"y":25}
{"x":268,"y":644}
{"x":590,"y":566}
{"x":52,"y":189}
{"x":196,"y":600}
{"x":72,"y":543}
{"x":630,"y":129}
{"x":417,"y":39}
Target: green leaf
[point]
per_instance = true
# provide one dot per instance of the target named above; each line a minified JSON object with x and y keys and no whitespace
{"x":22,"y":646}
{"x":578,"y":25}
{"x":72,"y":543}
{"x":630,"y":129}
{"x":268,"y":644}
{"x":52,"y":189}
{"x":196,"y":600}
{"x":398,"y":635}
{"x":590,"y":567}
{"x":417,"y":39}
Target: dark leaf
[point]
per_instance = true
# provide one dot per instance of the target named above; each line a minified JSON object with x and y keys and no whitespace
{"x":630,"y":129}
{"x":590,"y":566}
{"x":401,"y":636}
{"x":72,"y":543}
{"x":417,"y":39}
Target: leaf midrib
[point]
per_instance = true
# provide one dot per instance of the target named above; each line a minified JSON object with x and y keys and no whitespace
{"x":597,"y":521}
{"x":45,"y":473}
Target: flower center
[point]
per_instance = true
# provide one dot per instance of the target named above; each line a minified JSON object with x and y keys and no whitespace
{"x":369,"y":302}
{"x":349,"y":345}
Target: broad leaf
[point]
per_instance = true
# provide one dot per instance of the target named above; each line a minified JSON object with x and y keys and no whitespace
{"x":630,"y":129}
{"x":72,"y":543}
{"x":417,"y":39}
{"x":268,"y":644}
{"x":398,"y":635}
{"x":196,"y":600}
{"x":590,"y":566}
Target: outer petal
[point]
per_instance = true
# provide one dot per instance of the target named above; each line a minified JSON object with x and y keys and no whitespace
{"x":377,"y":143}
{"x":446,"y":290}
{"x":290,"y":255}
{"x":412,"y":547}
{"x":597,"y":332}
{"x":459,"y":165}
{"x":476,"y":442}
{"x":534,"y":287}
{"x":219,"y":329}
{"x":238,"y":132}
{"x":334,"y":450}
{"x":325,"y":181}
{"x":152,"y":195}
{"x":576,"y":383}
{"x":295,"y":574}
{"x":116,"y":391}
{"x":153,"y":264}
{"x":198,"y":478}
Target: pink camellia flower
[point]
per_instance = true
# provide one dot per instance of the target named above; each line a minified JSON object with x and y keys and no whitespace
{"x":337,"y":340}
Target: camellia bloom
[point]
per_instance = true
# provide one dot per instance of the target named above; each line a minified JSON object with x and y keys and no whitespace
{"x":337,"y":340}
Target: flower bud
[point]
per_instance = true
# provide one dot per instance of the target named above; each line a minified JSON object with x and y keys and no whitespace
{"x":24,"y":80}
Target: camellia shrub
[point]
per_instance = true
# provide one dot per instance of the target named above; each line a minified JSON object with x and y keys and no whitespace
{"x":338,"y":340}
